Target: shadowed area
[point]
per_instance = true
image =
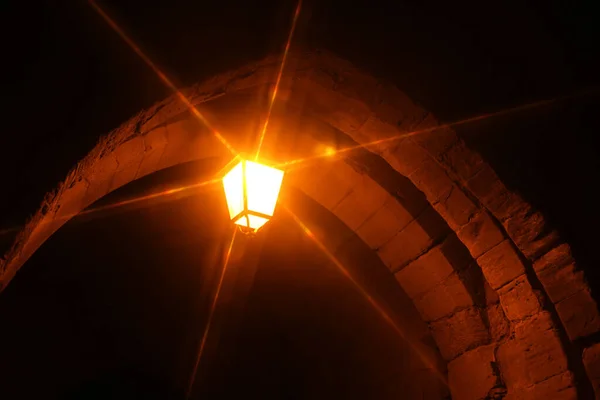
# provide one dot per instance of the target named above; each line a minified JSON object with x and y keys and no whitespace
{"x":113,"y":306}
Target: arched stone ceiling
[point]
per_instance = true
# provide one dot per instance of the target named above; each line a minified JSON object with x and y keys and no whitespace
{"x":499,"y":290}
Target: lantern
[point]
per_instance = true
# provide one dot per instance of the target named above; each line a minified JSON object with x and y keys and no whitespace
{"x":251,"y":191}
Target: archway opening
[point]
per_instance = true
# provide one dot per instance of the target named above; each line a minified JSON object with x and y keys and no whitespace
{"x":117,"y":300}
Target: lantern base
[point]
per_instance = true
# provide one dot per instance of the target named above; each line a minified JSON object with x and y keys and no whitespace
{"x":246,"y":231}
{"x":250,"y":220}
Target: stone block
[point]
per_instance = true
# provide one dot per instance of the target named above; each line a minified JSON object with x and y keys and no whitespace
{"x":71,"y":200}
{"x":157,"y":115}
{"x":327,"y":182}
{"x":480,"y":234}
{"x":490,"y":190}
{"x":129,"y":156}
{"x":99,"y":177}
{"x":188,"y":140}
{"x":435,"y":139}
{"x":559,"y":387}
{"x":498,"y":324}
{"x":342,"y":112}
{"x":380,"y":138}
{"x":579,"y":314}
{"x":436,"y":266}
{"x":519,"y":300}
{"x":456,"y":253}
{"x":464,"y":162}
{"x":557,"y":257}
{"x":448,"y":296}
{"x":43,"y":228}
{"x":413,"y":241}
{"x":501,"y":264}
{"x":405,"y":156}
{"x":256,"y":75}
{"x":432,"y":180}
{"x":561,"y":282}
{"x":591,"y":361}
{"x":155,"y":142}
{"x":354,"y":84}
{"x":528,"y":229}
{"x":397,"y":109}
{"x":533,"y":354}
{"x":425,"y":272}
{"x":471,"y":375}
{"x":456,"y":208}
{"x":366,"y":198}
{"x":386,"y":222}
{"x":462,"y":331}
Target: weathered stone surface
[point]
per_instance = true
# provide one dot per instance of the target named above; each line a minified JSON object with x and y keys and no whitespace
{"x":435,"y":139}
{"x":71,"y":200}
{"x":432,"y":180}
{"x":343,"y":112}
{"x":129,"y":156}
{"x":154,"y":145}
{"x":460,"y":332}
{"x":471,"y":375}
{"x":528,"y":229}
{"x":390,"y":219}
{"x":559,"y":387}
{"x":44,"y":228}
{"x":405,"y":156}
{"x":456,"y":252}
{"x":456,"y":208}
{"x":99,"y":177}
{"x":579,"y":314}
{"x":396,"y":108}
{"x":591,"y":361}
{"x":364,"y":200}
{"x":327,"y":182}
{"x":333,"y":243}
{"x":181,"y":142}
{"x":463,"y":161}
{"x":562,"y":281}
{"x":425,"y":272}
{"x":491,"y":296}
{"x":488,"y":188}
{"x":557,"y":257}
{"x":533,"y":354}
{"x":519,"y":300}
{"x":480,"y":234}
{"x":501,"y":265}
{"x":448,"y":296}
{"x":414,"y":240}
{"x":499,"y":326}
{"x":255,"y":76}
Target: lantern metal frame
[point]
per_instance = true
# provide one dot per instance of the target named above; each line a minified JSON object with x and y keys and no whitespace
{"x":246,"y":212}
{"x":243,"y":219}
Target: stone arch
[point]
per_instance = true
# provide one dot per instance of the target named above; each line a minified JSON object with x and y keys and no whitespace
{"x":528,"y":283}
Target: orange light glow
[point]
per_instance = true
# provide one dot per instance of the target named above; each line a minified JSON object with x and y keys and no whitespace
{"x":251,"y":191}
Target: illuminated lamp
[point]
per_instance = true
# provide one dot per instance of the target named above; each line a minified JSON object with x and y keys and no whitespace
{"x":251,"y":191}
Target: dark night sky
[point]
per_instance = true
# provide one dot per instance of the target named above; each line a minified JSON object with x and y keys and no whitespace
{"x":69,"y":79}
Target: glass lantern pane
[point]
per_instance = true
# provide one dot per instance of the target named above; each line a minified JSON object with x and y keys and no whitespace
{"x":233,"y":184}
{"x":262,"y":186}
{"x":256,"y":222}
{"x":242,"y":221}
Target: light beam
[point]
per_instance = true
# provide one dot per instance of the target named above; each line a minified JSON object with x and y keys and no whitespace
{"x":380,"y":310}
{"x":210,"y":317}
{"x":163,"y":77}
{"x":523,"y":107}
{"x":278,"y":80}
